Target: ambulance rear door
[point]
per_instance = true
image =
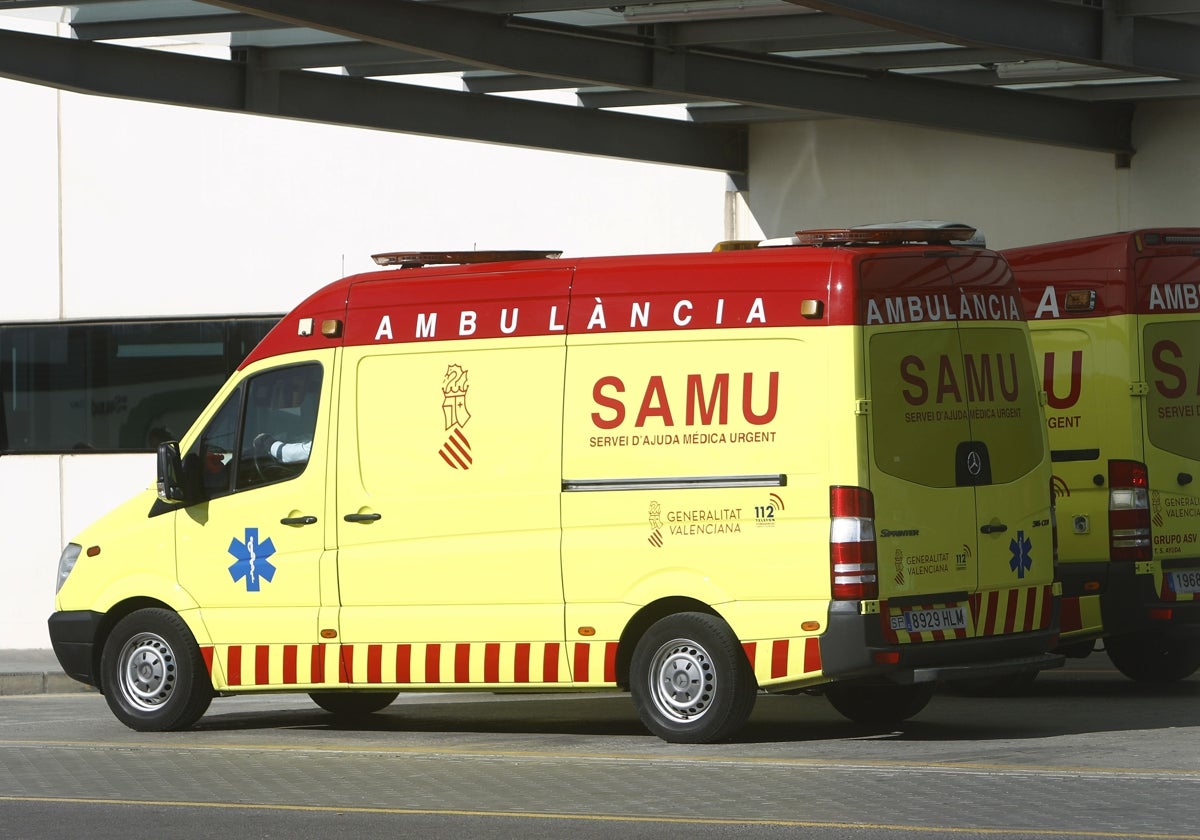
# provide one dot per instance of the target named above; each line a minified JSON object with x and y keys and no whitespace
{"x":957,"y":448}
{"x":1168,"y":304}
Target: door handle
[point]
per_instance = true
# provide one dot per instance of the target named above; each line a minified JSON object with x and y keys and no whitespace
{"x":362,"y":517}
{"x":298,"y":520}
{"x":998,"y":528}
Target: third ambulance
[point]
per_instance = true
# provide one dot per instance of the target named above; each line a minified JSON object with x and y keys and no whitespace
{"x":1116,"y":327}
{"x":820,"y":467}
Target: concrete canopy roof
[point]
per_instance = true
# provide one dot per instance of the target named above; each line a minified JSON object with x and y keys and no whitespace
{"x":1063,"y":72}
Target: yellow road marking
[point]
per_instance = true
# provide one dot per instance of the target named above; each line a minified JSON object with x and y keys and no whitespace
{"x":615,"y":818}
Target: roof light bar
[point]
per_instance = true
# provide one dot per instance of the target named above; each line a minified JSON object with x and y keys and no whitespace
{"x":886,"y":235}
{"x":418,"y":259}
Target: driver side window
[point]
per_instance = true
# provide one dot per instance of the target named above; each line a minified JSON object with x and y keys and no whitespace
{"x":262,"y":434}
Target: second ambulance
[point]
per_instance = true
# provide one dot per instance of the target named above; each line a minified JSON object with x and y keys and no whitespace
{"x":1116,"y":326}
{"x":820,"y":467}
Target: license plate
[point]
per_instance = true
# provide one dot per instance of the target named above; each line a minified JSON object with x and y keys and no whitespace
{"x":1185,"y":581}
{"x":923,"y":621}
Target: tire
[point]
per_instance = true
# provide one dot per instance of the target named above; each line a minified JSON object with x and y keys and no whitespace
{"x":353,"y":703}
{"x":879,"y":705}
{"x":152,"y":674}
{"x":1155,"y":656}
{"x":690,"y":680}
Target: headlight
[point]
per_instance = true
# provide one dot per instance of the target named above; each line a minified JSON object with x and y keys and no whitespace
{"x":66,"y":563}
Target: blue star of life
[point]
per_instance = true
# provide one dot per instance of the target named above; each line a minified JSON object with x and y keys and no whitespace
{"x":1021,"y":562}
{"x":252,"y":563}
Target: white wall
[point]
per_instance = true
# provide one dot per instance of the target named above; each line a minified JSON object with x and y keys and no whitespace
{"x":1166,"y":183}
{"x":28,"y":202}
{"x":47,"y":499}
{"x":31,"y":529}
{"x":170,"y":210}
{"x":831,"y":173}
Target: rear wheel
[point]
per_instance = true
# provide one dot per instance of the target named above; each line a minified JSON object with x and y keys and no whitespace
{"x":1155,"y":656}
{"x":690,"y":680}
{"x":152,"y":674}
{"x":353,"y":703}
{"x":879,"y":705}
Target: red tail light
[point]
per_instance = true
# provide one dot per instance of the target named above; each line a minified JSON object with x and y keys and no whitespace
{"x":1128,"y":510}
{"x":852,"y":564}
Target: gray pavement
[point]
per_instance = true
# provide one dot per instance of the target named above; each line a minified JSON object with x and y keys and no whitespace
{"x":34,"y":671}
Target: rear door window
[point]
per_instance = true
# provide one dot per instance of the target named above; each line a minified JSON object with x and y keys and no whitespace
{"x":919,"y":405}
{"x":1172,"y":353}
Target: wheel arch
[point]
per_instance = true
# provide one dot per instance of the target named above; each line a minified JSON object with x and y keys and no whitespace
{"x":643,"y":620}
{"x":114,"y":615}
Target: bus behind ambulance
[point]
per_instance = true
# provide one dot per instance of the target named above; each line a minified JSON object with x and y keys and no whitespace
{"x":1116,"y":328}
{"x":819,"y":467}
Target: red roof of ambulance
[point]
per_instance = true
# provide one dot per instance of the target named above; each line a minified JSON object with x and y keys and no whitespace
{"x":1111,"y":250}
{"x":677,"y":291}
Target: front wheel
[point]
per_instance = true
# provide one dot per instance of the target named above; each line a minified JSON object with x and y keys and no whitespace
{"x":152,"y":674}
{"x":690,"y":680}
{"x":353,"y":703}
{"x":1155,"y":656}
{"x":879,"y":705}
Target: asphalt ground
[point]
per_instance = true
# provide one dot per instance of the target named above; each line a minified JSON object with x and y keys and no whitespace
{"x":1085,"y":753}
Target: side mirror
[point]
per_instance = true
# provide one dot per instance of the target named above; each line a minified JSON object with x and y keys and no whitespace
{"x":170,"y":474}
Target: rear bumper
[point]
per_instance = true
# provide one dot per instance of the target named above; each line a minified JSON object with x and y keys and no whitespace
{"x":854,"y":647}
{"x":1137,"y":598}
{"x":73,"y":635}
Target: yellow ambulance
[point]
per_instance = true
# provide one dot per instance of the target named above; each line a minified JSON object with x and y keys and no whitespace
{"x":815,"y":467}
{"x":1116,"y":328}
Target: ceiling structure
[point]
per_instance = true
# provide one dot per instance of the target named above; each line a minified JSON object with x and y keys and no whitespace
{"x":1062,"y":72}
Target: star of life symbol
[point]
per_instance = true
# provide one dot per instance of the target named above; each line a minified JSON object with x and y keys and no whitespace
{"x":456,"y":451}
{"x":1021,"y":562}
{"x":252,"y":563}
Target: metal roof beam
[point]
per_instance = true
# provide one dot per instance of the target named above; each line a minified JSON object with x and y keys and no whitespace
{"x":1130,"y":91}
{"x":1080,"y":34}
{"x":171,"y":78}
{"x":748,"y":114}
{"x":621,"y":98}
{"x":402,"y":68}
{"x":492,"y":81}
{"x":16,"y":5}
{"x":797,"y":32}
{"x":892,"y":60}
{"x":168,"y":27}
{"x":340,"y":54}
{"x":599,"y":59}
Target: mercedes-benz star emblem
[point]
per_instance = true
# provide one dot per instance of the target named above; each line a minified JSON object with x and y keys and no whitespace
{"x":974,"y":463}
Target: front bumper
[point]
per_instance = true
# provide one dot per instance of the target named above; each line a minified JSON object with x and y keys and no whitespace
{"x":73,"y":635}
{"x":1137,"y":598}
